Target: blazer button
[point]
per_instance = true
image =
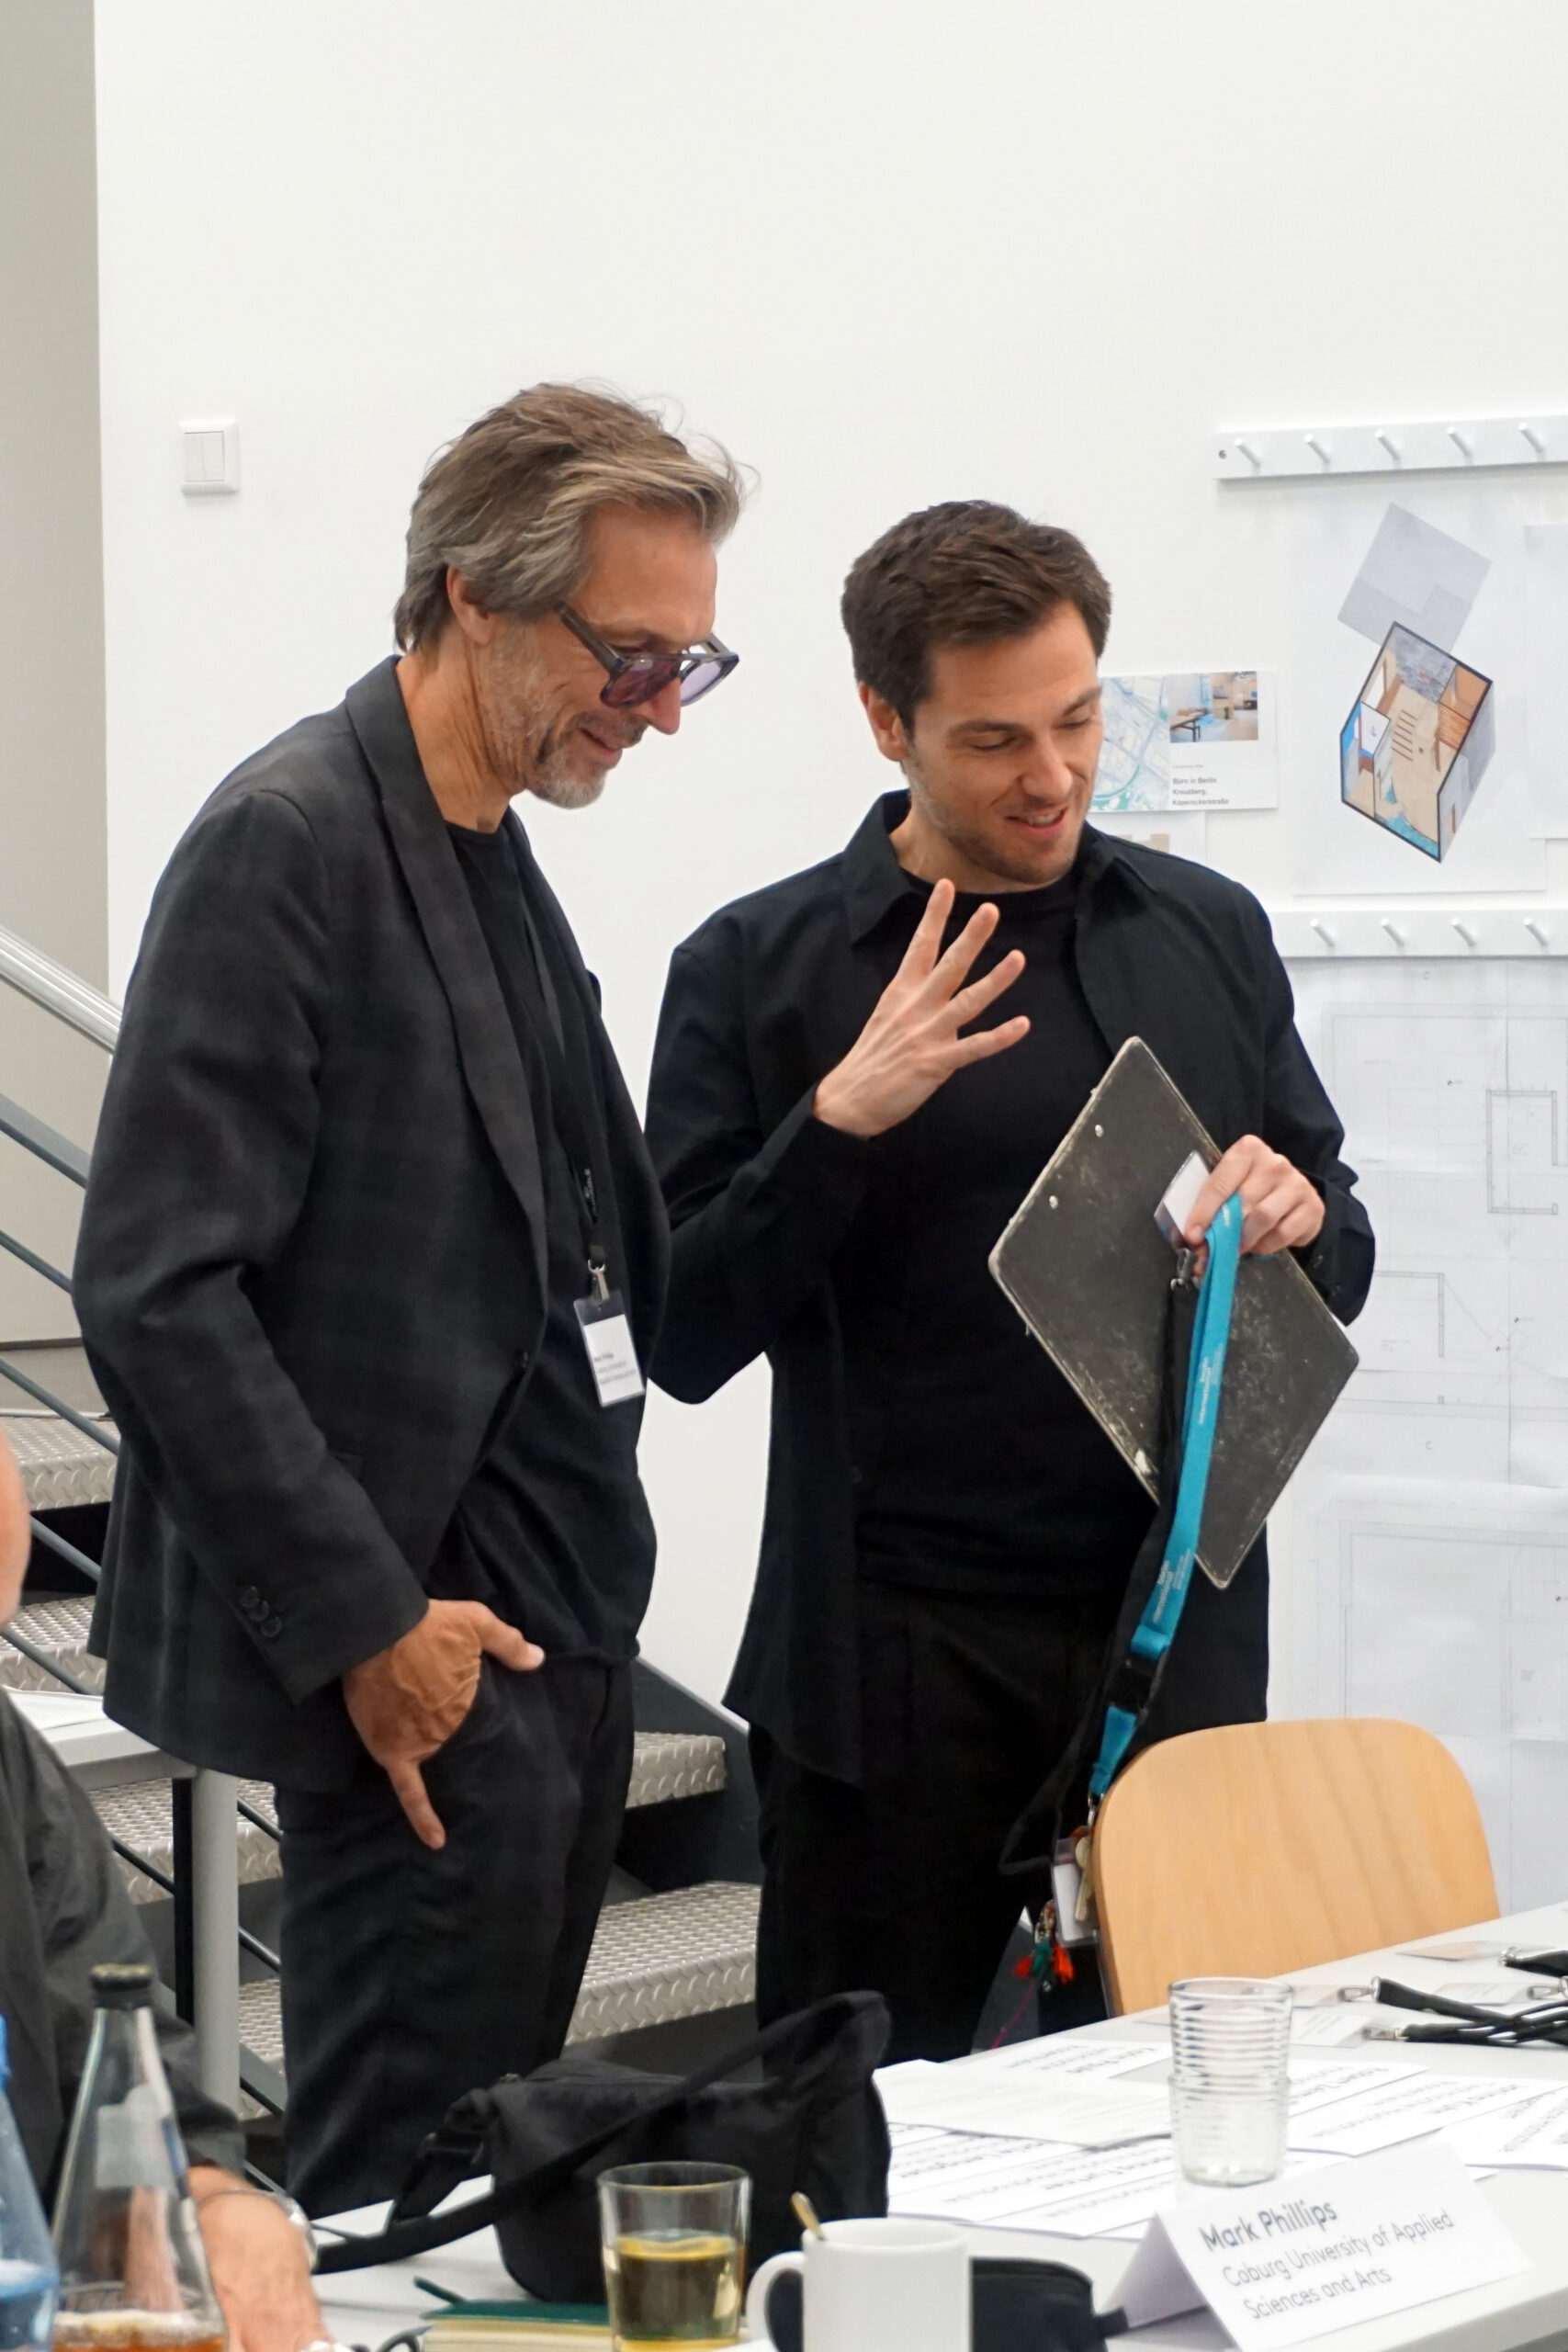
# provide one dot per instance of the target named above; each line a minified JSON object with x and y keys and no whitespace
{"x":251,"y":1601}
{"x":270,"y":1628}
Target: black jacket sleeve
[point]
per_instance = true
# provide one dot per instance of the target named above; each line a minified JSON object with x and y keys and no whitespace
{"x":82,"y":1915}
{"x":202,"y":1161}
{"x":1299,"y":1121}
{"x":756,"y":1212}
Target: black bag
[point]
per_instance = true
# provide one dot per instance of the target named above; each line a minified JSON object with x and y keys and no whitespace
{"x":813,"y":2123}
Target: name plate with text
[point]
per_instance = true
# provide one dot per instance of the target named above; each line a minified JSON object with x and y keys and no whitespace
{"x":1321,"y":2250}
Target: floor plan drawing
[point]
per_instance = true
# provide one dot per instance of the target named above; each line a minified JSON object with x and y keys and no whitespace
{"x":1426,"y":1539}
{"x":1417,"y":745}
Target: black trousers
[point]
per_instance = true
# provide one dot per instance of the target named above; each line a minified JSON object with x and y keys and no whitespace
{"x":410,"y":1976}
{"x":966,"y":1705}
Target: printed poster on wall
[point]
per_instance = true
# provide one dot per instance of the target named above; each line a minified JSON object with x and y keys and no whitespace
{"x":1194,"y":740}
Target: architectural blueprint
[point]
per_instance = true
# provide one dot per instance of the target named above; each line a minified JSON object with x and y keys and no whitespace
{"x":1427,"y":1540}
{"x":1418,"y":742}
{"x":1448,"y":563}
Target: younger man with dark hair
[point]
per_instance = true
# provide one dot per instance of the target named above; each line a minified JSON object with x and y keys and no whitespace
{"x":844,"y":1114}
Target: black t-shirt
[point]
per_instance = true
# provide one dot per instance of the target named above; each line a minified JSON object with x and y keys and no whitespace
{"x":553,"y":1529}
{"x":976,"y":1467}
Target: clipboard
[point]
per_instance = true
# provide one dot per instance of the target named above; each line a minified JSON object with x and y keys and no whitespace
{"x":1088,"y":1269}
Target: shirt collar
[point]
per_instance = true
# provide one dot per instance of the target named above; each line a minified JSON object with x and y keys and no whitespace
{"x":874,"y":881}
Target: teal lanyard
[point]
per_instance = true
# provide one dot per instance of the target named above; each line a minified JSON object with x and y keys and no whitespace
{"x":1162,"y":1612}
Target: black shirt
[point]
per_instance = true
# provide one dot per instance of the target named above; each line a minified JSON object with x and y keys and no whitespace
{"x":977,"y":1468}
{"x":761,"y":1002}
{"x":553,"y":1528}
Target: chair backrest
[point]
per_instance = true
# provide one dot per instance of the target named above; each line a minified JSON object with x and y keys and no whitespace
{"x":1262,"y":1847}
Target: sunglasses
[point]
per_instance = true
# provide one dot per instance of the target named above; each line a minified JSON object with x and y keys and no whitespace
{"x":638,"y":677}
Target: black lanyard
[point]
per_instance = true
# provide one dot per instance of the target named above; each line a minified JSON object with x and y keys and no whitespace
{"x":568,"y":1109}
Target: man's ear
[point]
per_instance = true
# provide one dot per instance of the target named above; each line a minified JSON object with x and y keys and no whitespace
{"x":892,"y":740}
{"x":477,"y":626}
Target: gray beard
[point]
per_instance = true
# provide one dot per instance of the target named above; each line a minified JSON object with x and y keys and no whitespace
{"x":553,"y":782}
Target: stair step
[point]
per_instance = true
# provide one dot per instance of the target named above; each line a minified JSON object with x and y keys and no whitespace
{"x":668,"y":1956}
{"x":60,"y":1469}
{"x":668,"y":1765}
{"x":142,"y":1816}
{"x":655,"y":1958}
{"x":58,"y":1628}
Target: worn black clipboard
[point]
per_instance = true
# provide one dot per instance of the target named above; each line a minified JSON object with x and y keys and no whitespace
{"x":1088,"y":1269}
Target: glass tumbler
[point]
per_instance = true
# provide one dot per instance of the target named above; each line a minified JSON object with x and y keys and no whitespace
{"x":673,"y":2238}
{"x":1230,"y":2048}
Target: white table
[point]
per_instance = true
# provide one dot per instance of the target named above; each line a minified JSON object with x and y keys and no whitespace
{"x":102,"y":1754}
{"x":1513,"y":2317}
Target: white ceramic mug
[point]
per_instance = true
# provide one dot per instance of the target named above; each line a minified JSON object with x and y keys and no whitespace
{"x":876,"y":2286}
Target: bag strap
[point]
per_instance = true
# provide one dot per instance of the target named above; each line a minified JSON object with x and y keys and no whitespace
{"x":401,"y":2239}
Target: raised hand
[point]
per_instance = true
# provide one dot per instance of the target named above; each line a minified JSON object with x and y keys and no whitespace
{"x":911,"y":1046}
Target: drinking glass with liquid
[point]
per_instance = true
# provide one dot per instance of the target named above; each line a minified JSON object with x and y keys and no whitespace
{"x":673,"y":2237}
{"x":29,"y":2278}
{"x":133,"y":2274}
{"x":1230,"y":2049}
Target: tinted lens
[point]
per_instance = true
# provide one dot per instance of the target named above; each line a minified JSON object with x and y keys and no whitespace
{"x":698,"y":682}
{"x":642,"y":681}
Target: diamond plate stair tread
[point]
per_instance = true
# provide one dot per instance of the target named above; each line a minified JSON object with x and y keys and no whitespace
{"x":671,"y":1764}
{"x":60,"y":1469}
{"x":661,"y":1957}
{"x":142,"y":1816}
{"x":58,"y":1628}
{"x":667,"y":1956}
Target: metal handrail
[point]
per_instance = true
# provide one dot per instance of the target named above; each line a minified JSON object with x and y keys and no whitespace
{"x":59,"y":990}
{"x":57,"y":1405}
{"x":38,"y":1265}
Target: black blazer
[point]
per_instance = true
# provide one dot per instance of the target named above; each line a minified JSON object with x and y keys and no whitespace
{"x":312,"y":1266}
{"x":760,"y":1003}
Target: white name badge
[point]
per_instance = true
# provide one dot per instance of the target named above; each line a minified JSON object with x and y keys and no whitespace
{"x":612,"y":1356}
{"x":1319,"y":2250}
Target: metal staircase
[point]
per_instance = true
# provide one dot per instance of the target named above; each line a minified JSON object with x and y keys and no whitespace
{"x":676,"y":1939}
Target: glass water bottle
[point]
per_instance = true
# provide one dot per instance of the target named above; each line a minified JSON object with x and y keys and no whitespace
{"x":29,"y":2280}
{"x":133,"y":2274}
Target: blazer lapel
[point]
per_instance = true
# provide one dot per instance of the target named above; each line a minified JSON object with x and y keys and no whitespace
{"x":492,"y":1066}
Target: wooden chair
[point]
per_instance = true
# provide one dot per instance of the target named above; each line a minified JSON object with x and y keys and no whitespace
{"x":1263,"y":1847}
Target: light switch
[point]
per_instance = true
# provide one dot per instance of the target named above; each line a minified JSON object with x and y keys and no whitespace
{"x":210,"y":449}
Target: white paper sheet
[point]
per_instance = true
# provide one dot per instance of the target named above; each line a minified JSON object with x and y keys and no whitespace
{"x":1190,"y":740}
{"x":1088,"y":2115}
{"x":1026,"y":2183}
{"x":1546,"y":642}
{"x":1415,"y":2103}
{"x":1533,"y":2135}
{"x":1323,"y":549}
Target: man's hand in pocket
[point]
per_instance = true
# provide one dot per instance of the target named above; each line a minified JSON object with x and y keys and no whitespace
{"x":407,"y":1701}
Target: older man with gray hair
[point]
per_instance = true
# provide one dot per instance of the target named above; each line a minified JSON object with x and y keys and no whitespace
{"x":371,"y":1269}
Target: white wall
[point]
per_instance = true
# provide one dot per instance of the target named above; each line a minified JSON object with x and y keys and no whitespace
{"x":52,"y":857}
{"x":891,"y":252}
